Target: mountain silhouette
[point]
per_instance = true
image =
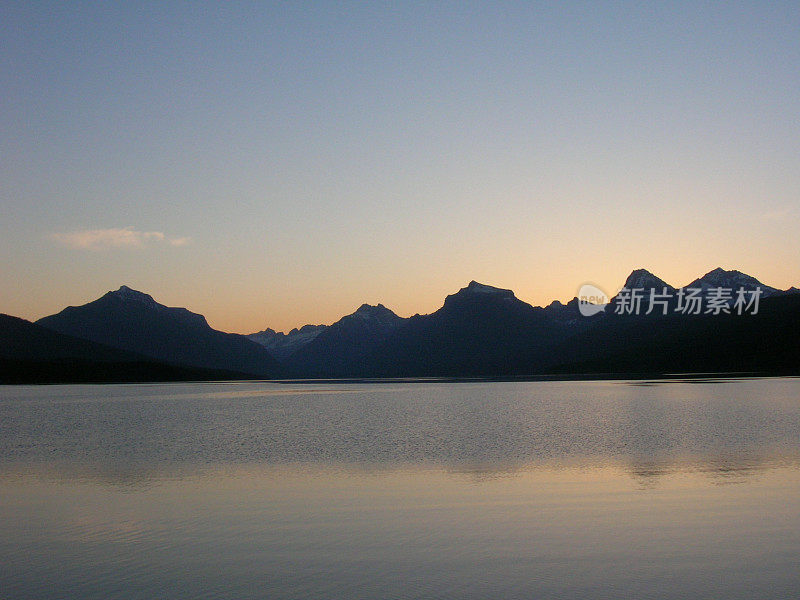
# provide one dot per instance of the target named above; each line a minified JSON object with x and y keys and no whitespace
{"x":480,"y":331}
{"x":344,"y":344}
{"x":645,"y":280}
{"x":133,"y":321}
{"x":30,"y":353}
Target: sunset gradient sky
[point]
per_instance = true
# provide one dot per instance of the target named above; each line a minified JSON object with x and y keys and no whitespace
{"x":280,"y":164}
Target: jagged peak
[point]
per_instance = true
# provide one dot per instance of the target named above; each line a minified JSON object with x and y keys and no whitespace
{"x":307,"y":329}
{"x":644,"y":279}
{"x":720,"y":277}
{"x":378,"y":312}
{"x":129,"y":294}
{"x":720,"y":273}
{"x":304,"y":330}
{"x":371,"y":308}
{"x":267,"y":331}
{"x":561,"y":311}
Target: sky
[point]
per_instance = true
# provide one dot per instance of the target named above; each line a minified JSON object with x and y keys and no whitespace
{"x":277,"y":164}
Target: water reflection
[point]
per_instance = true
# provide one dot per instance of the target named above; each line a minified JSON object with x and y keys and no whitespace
{"x":545,"y":490}
{"x":136,"y":435}
{"x":646,"y":472}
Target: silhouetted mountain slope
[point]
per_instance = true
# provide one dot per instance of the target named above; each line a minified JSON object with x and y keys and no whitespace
{"x":30,"y":353}
{"x":767,"y":342}
{"x":498,"y":335}
{"x":568,"y":312}
{"x":480,"y":331}
{"x":675,"y":342}
{"x":21,"y":339}
{"x":334,"y":351}
{"x":133,"y":321}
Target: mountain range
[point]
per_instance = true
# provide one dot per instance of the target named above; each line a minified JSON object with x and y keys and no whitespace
{"x":480,"y":331}
{"x":133,"y":321}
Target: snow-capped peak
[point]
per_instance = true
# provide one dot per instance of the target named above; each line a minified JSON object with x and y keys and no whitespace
{"x":481,"y":288}
{"x":732,"y":279}
{"x":642,"y":279}
{"x":131,"y":295}
{"x":375,"y":313}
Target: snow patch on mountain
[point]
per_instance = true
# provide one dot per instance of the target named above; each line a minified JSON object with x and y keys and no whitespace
{"x":282,"y":345}
{"x":642,"y":279}
{"x":733,"y":280}
{"x":130,"y":295}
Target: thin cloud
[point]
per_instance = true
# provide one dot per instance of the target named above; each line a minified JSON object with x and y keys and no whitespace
{"x":125,"y":237}
{"x":181,"y":241}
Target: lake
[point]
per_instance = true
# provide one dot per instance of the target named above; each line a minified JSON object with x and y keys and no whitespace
{"x":662,"y":489}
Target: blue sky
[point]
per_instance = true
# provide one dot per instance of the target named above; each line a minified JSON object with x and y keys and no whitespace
{"x":274,"y":164}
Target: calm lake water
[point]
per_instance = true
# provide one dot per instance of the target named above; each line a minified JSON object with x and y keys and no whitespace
{"x":401,"y":490}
